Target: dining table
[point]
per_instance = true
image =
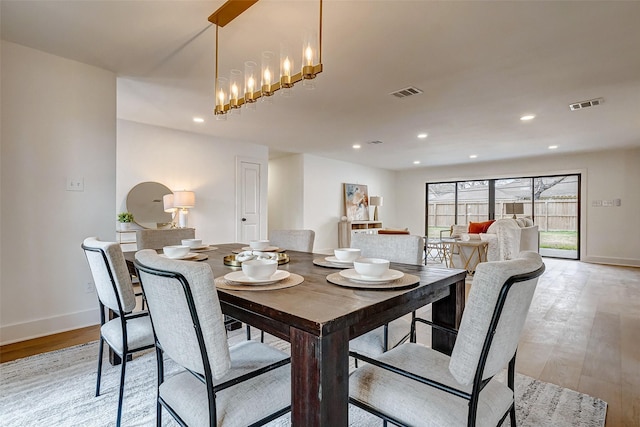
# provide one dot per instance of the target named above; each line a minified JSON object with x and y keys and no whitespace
{"x":319,"y":318}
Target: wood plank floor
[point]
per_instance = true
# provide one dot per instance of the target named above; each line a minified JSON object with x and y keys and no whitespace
{"x":582,"y":332}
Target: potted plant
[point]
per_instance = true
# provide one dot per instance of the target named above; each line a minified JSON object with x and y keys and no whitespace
{"x":125,"y":219}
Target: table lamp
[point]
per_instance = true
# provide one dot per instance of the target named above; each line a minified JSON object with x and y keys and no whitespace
{"x":514,"y":208}
{"x":183,"y":201}
{"x":375,"y":201}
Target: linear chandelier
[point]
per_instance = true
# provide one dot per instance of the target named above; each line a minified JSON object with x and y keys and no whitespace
{"x":246,"y":88}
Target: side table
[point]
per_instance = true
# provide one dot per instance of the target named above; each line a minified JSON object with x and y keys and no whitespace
{"x":466,"y":254}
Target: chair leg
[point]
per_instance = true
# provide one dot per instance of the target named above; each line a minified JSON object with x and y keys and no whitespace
{"x":121,"y":394}
{"x":262,"y":337}
{"x":100,"y":348}
{"x":248,"y":333}
{"x":511,"y":376}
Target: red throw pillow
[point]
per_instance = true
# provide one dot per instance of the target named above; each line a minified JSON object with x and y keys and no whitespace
{"x":480,"y":227}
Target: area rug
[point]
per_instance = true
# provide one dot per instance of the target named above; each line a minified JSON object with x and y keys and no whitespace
{"x":57,"y":389}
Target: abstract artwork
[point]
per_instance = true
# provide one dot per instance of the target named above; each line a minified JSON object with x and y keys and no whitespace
{"x":356,"y":202}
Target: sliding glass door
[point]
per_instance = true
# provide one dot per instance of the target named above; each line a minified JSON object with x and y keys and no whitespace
{"x":553,"y":202}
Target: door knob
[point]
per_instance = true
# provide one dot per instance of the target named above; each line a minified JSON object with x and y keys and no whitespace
{"x":244,"y":219}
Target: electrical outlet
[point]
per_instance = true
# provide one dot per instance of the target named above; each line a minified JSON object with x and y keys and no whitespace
{"x":75,"y":184}
{"x":89,"y":288}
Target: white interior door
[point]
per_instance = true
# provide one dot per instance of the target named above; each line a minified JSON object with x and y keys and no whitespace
{"x":248,"y":200}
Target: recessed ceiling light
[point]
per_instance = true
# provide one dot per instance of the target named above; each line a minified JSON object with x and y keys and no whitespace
{"x":356,"y":146}
{"x":473,"y":156}
{"x":422,"y":135}
{"x":553,"y":147}
{"x":527,"y":117}
{"x":198,"y":119}
{"x":416,"y":162}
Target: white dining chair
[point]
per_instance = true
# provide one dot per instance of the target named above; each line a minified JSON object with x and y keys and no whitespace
{"x":457,"y":390}
{"x":128,"y":332}
{"x":245,"y":384}
{"x":400,"y":248}
{"x":158,"y":238}
{"x":293,"y":240}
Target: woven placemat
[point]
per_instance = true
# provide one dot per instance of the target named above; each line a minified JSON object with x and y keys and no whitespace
{"x":324,"y":263}
{"x":406,"y":281}
{"x":292,"y":280}
{"x":207,"y":249}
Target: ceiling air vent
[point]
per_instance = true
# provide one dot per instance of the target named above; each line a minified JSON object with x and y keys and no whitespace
{"x":407,"y":91}
{"x":584,"y":104}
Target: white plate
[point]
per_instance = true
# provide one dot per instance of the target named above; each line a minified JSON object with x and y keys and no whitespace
{"x":187,"y":256}
{"x":197,"y":248}
{"x":337,"y":261}
{"x":267,"y":249}
{"x":240,"y":277}
{"x":388,"y":276}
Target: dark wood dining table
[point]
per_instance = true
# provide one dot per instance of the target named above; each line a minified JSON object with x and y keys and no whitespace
{"x":319,"y":318}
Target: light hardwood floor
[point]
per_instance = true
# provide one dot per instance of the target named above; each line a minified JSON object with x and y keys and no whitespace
{"x":583,"y":333}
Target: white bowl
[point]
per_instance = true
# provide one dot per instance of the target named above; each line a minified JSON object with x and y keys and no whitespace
{"x":192,"y":243}
{"x":259,"y":245}
{"x":371,"y":267}
{"x":260,"y":269}
{"x":347,"y":254}
{"x":176,"y":251}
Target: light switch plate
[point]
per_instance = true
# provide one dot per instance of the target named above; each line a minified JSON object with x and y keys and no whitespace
{"x":75,"y":184}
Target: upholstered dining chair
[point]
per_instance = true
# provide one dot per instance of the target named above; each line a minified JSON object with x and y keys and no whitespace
{"x":246,"y":384}
{"x":405,"y":249}
{"x":158,"y":238}
{"x":128,"y":332}
{"x":294,"y":240}
{"x":457,"y":390}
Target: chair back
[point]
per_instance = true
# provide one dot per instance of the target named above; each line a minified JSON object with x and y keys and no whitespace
{"x":157,"y":239}
{"x":185,"y":312}
{"x":295,"y":240}
{"x":110,"y":274}
{"x":494,"y":316}
{"x":405,"y":249}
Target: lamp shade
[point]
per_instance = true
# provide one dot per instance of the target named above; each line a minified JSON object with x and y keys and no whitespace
{"x":184,"y":199}
{"x":375,"y":200}
{"x":167,"y":201}
{"x":514,"y":208}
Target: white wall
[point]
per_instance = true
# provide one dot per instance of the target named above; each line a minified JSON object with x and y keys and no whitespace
{"x":286,"y":192}
{"x":58,"y":121}
{"x":609,"y":235}
{"x":323,"y":194}
{"x":186,"y":161}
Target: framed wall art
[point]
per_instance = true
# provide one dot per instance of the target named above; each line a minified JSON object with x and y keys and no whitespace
{"x":356,"y":202}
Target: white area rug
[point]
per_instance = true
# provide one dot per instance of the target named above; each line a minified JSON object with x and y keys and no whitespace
{"x":57,"y":389}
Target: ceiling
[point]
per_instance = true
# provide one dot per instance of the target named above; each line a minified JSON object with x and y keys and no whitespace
{"x":481,"y":65}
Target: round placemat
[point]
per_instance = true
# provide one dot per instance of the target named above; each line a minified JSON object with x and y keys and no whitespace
{"x":292,"y":280}
{"x":324,"y":263}
{"x":207,"y":249}
{"x":406,"y":281}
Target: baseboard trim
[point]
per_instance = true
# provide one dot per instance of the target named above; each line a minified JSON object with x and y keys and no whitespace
{"x":17,"y":332}
{"x":623,"y":262}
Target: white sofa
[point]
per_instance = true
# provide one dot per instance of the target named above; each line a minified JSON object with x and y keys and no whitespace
{"x":506,"y":237}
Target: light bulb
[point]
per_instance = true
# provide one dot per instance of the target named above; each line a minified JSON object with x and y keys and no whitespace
{"x":287,"y":67}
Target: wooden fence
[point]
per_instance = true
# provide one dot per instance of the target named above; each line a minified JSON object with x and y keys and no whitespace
{"x":550,"y":215}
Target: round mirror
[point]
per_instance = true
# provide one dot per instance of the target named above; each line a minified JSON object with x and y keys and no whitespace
{"x":144,"y":201}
